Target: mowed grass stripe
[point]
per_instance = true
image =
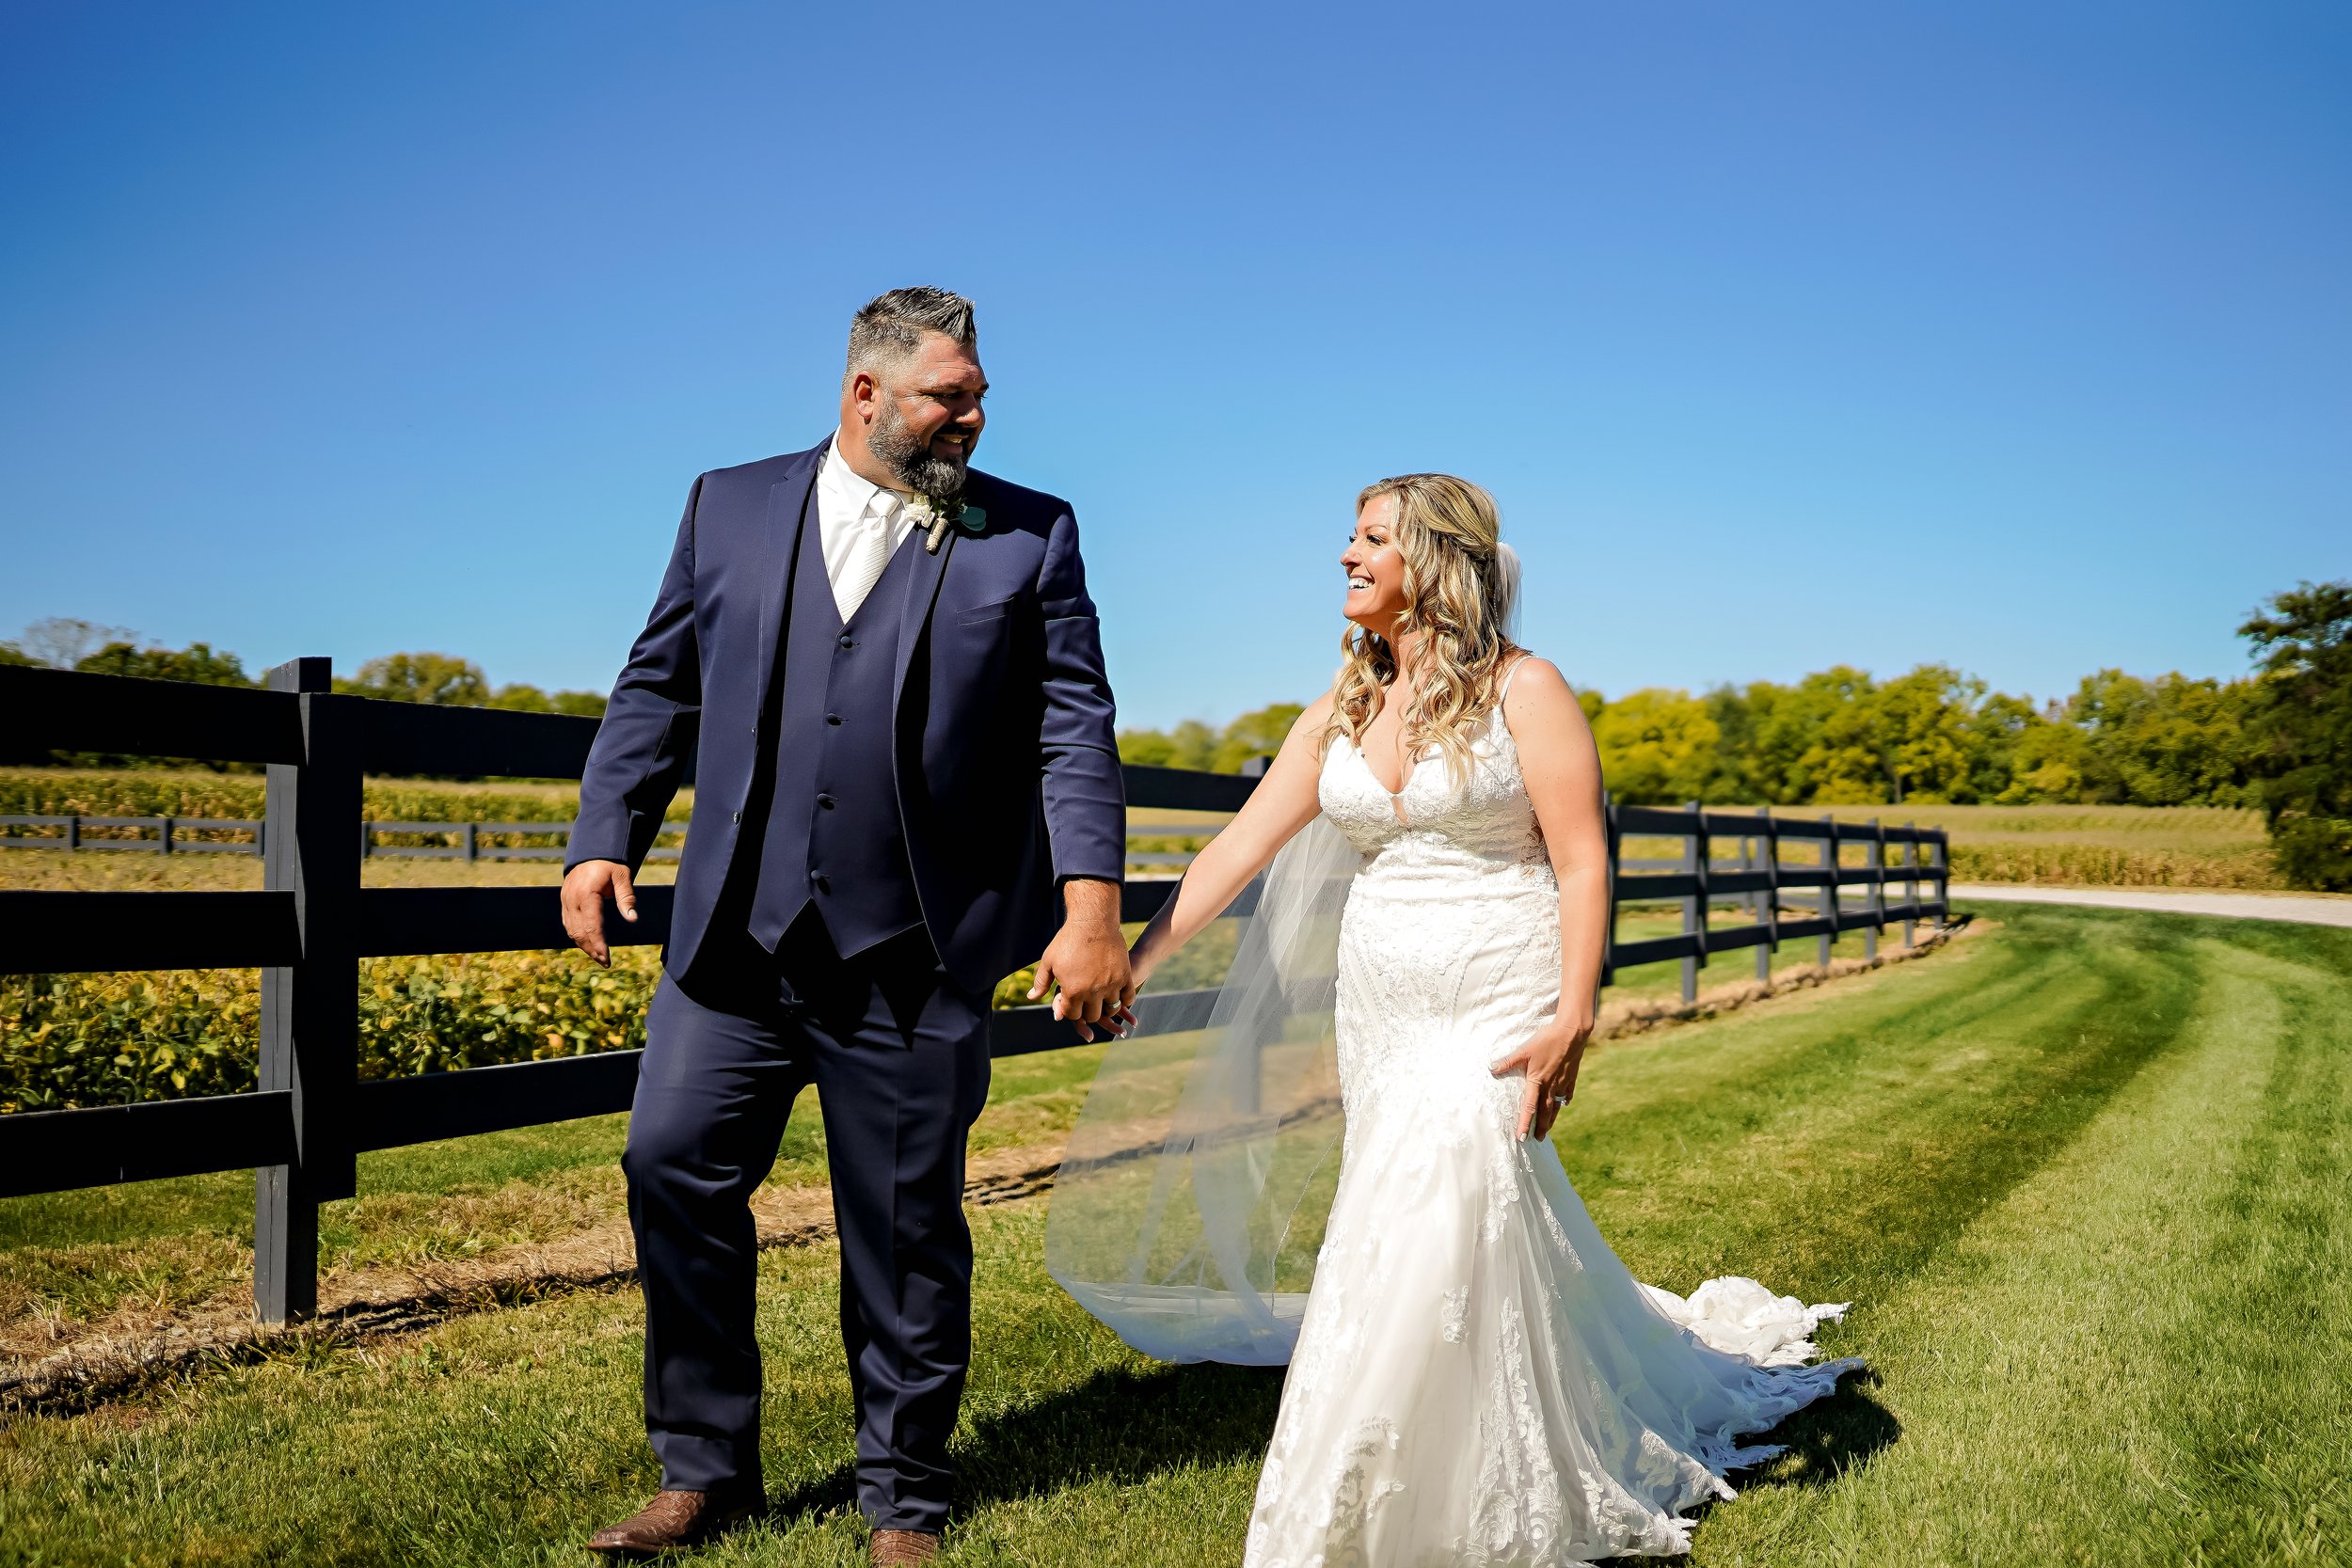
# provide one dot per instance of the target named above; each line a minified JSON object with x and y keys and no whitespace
{"x":2043,"y":1390}
{"x":1867,"y":1135}
{"x":2266,"y":1427}
{"x":2024,"y":1373}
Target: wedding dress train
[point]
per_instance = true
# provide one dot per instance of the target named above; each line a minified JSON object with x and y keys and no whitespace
{"x":1477,"y":1379}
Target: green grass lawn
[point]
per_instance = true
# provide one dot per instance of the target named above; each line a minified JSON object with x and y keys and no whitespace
{"x":2084,"y":1177}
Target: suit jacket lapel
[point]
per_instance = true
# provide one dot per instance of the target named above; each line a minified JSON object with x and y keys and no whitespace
{"x":788,"y":506}
{"x":922,"y":592}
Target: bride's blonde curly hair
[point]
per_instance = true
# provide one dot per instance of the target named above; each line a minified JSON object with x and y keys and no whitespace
{"x":1460,"y":582}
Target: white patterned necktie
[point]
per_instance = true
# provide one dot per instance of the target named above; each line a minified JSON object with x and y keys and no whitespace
{"x":867,"y":556}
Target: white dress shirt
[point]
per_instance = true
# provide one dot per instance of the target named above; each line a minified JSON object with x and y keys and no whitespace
{"x":859,"y":525}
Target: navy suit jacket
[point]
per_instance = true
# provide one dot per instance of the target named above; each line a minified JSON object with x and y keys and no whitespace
{"x":1006,"y":758}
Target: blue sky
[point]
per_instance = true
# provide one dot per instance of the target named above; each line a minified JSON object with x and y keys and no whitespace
{"x":2014,"y":336}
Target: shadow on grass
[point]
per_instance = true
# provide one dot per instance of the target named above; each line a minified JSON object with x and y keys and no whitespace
{"x":1125,"y":1427}
{"x":1824,"y":1440}
{"x":1119,"y":1425}
{"x":1828,"y":1437}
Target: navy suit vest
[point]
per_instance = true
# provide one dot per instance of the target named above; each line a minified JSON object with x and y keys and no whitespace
{"x":833,"y":836}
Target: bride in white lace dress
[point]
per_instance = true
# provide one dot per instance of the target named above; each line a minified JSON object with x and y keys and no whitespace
{"x":1476,"y":1378}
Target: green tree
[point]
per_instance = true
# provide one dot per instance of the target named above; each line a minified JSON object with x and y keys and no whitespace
{"x":1739,"y":714}
{"x":1195,"y":745}
{"x":1254,"y":735}
{"x":2037,"y":757}
{"x":1657,"y":745}
{"x":1191,"y":744}
{"x":11,"y":654}
{"x":2300,"y":731}
{"x":2171,"y":741}
{"x":437,"y":678}
{"x":1814,"y":741}
{"x":1930,"y":737}
{"x":196,"y":662}
{"x":519,"y":697}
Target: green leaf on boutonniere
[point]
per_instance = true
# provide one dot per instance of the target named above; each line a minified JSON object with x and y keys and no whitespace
{"x":972,"y":519}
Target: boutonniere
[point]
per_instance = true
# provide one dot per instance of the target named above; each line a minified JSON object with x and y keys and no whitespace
{"x":934,"y":517}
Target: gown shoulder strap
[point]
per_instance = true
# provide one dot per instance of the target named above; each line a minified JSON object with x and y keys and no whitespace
{"x":1503,"y":688}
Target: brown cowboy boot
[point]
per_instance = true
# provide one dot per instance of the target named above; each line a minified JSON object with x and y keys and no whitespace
{"x":671,"y":1521}
{"x":903,"y":1548}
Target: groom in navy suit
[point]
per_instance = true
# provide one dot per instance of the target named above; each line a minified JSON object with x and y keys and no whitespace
{"x":887,"y":671}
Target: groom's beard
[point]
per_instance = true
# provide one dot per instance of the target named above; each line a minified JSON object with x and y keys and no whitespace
{"x":918,"y":466}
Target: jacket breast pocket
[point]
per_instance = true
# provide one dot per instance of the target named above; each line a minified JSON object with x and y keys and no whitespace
{"x":986,"y":614}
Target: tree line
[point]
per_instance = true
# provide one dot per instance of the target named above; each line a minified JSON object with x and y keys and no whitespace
{"x":421,"y":677}
{"x":2278,"y":739}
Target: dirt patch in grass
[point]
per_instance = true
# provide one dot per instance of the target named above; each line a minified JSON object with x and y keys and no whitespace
{"x":48,"y":1362}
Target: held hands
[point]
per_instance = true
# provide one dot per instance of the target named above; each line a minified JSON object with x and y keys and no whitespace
{"x":586,"y":888}
{"x":1548,"y":1061}
{"x":1088,"y":960}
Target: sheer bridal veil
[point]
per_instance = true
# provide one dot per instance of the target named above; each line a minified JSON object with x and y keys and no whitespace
{"x":1192,"y":1198}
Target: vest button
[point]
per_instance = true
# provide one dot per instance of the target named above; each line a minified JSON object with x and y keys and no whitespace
{"x":847,"y":641}
{"x":819,"y":880}
{"x":737,"y":817}
{"x":825,"y":801}
{"x":832,"y":718}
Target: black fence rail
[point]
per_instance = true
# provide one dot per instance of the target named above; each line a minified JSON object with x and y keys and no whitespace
{"x":302,"y":1130}
{"x":170,"y":836}
{"x":1737,"y":861}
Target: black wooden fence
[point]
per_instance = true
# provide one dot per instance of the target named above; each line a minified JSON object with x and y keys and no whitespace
{"x":303,"y":1129}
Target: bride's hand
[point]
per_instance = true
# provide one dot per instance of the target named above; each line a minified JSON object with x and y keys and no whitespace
{"x":1120,"y":1020}
{"x":1548,"y":1061}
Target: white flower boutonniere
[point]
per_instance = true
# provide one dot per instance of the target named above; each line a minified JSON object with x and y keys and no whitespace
{"x":932,"y":518}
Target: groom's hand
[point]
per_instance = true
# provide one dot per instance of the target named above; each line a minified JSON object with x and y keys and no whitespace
{"x":1088,"y":960}
{"x":586,"y":888}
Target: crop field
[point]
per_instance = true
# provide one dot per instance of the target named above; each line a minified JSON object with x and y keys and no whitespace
{"x":202,"y":792}
{"x":2085,"y":1176}
{"x":2078,"y":845}
{"x":2200,"y":847}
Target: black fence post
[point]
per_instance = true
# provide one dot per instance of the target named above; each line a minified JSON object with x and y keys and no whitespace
{"x":1942,"y":869}
{"x":1911,"y":878}
{"x":1829,"y":891}
{"x":1609,"y":935}
{"x":1874,"y":856}
{"x":1696,"y":852}
{"x":309,"y":1010}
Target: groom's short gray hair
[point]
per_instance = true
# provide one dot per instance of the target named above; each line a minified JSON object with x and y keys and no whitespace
{"x":890,"y":326}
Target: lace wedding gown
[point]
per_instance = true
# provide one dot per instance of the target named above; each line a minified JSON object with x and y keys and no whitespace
{"x":1478,"y":1380}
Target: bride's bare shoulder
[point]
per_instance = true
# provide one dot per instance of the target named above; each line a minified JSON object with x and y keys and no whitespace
{"x":1308,"y":728}
{"x":1537,"y":690}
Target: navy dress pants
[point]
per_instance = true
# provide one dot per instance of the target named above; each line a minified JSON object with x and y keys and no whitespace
{"x":899,"y":1054}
